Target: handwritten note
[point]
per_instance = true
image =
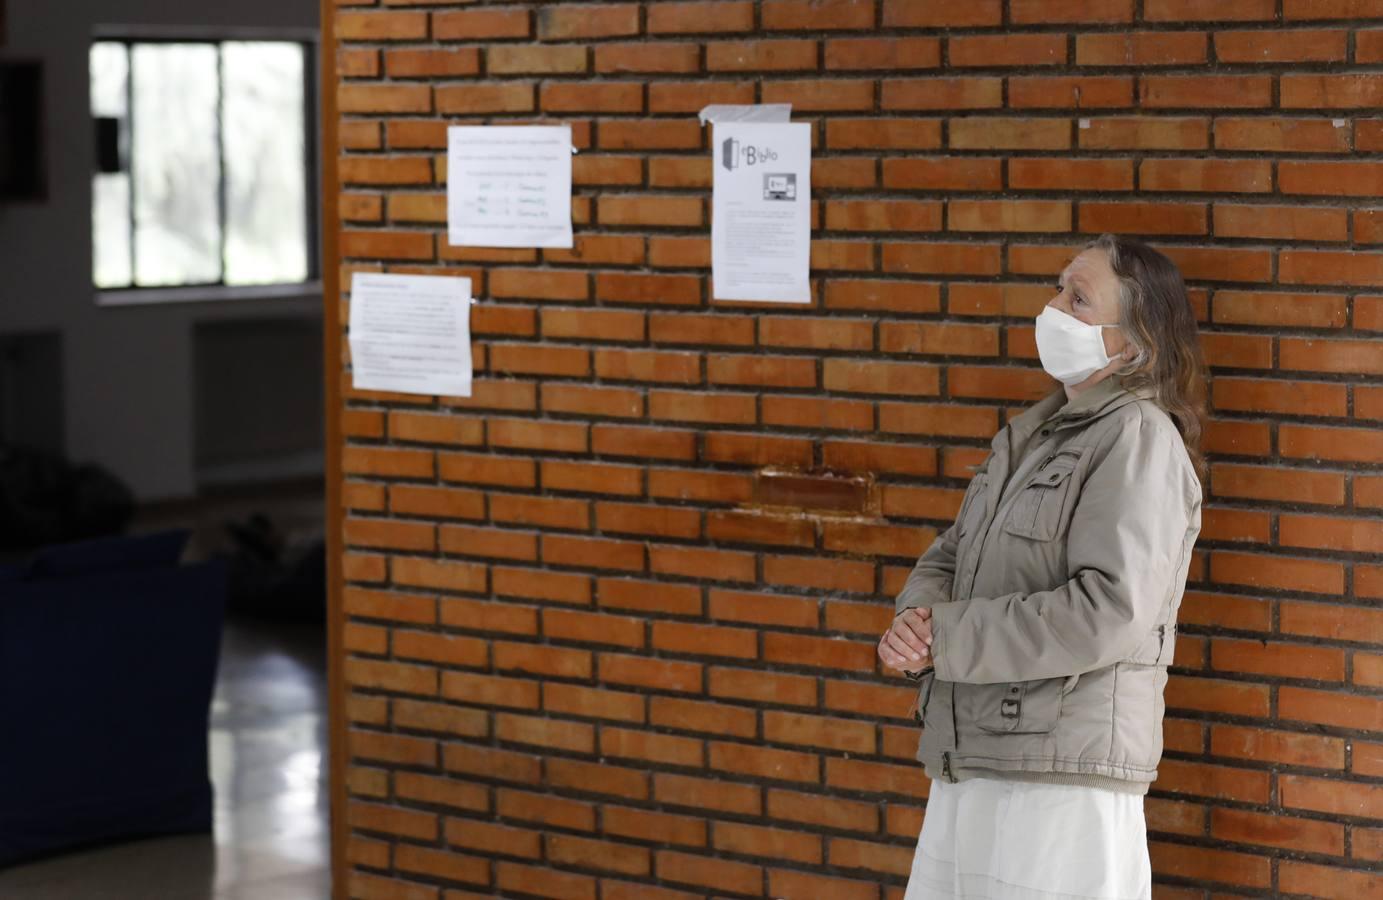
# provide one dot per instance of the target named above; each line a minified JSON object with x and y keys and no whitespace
{"x":411,"y":333}
{"x":509,"y":185}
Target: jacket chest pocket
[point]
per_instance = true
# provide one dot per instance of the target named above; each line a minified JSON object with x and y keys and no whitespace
{"x":1040,"y":510}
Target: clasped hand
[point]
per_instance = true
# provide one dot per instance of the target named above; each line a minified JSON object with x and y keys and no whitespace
{"x":907,"y":643}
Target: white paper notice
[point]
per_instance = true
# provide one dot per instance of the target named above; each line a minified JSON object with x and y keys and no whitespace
{"x":509,"y":185}
{"x":411,"y":333}
{"x":761,"y":211}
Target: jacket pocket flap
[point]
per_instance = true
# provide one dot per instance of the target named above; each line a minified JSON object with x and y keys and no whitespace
{"x":1054,"y":473}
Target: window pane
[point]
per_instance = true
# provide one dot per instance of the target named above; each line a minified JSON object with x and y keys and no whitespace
{"x":177,"y":168}
{"x":110,"y":193}
{"x":110,"y":71}
{"x":266,"y":172}
{"x":110,"y":226}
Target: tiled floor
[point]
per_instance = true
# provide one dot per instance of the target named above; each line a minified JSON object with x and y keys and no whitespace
{"x":268,"y":761}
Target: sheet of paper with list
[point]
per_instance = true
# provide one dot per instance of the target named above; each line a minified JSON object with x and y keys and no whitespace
{"x":509,"y":185}
{"x":411,"y":333}
{"x":761,"y":211}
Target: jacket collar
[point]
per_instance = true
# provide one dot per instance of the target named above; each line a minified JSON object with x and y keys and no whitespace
{"x":1100,"y":400}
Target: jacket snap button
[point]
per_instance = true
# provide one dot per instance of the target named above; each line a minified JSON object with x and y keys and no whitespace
{"x":1013,"y":689}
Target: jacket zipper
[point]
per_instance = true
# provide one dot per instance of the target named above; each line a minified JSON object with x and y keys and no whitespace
{"x":946,"y":764}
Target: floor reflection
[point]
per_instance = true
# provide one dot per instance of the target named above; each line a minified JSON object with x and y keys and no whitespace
{"x":268,"y":765}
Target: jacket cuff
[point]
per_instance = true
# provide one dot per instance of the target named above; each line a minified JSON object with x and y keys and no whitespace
{"x":941,"y":620}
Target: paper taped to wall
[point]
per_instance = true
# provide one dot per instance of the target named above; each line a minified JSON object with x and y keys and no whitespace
{"x":509,"y":185}
{"x":411,"y":333}
{"x":761,"y":212}
{"x":745,"y":112}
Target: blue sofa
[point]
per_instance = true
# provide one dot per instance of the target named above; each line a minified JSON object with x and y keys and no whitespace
{"x":108,"y":658}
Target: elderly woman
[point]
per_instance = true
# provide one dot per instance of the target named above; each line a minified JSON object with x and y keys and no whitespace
{"x":1040,"y":625}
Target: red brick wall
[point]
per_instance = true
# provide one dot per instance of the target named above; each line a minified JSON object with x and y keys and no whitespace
{"x":596,"y":639}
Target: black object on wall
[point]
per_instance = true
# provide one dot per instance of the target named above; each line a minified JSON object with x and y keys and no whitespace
{"x":23,"y":170}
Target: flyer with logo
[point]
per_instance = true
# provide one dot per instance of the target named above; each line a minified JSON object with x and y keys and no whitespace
{"x":761,"y":212}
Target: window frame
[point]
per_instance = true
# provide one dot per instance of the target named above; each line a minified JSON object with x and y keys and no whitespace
{"x":310,"y":41}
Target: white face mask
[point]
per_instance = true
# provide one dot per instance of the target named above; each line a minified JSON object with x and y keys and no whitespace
{"x":1071,"y":350}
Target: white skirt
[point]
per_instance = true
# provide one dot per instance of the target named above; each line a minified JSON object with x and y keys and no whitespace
{"x":995,"y":839}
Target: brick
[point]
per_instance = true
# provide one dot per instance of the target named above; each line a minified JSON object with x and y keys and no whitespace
{"x":883,"y":53}
{"x":1007,"y":50}
{"x":658,"y":521}
{"x":452,"y":63}
{"x":1145,"y":133}
{"x":1284,"y":310}
{"x":1346,"y":357}
{"x":821,"y":94}
{"x":1069,"y":92}
{"x":1333,"y":797}
{"x":616,"y":781}
{"x":381,"y":26}
{"x":374,"y":170}
{"x":1354,"y":91}
{"x":696,"y":563}
{"x":1141,"y":48}
{"x":477,"y":99}
{"x":665,"y":828}
{"x":942,"y":258}
{"x":481,"y":24}
{"x":642,"y":595}
{"x":637,"y":441}
{"x":1221,"y":91}
{"x":1008,"y":215}
{"x":1204,"y":864}
{"x":568,"y":23}
{"x":375,"y":887}
{"x":701,"y":17}
{"x":1285,"y":135}
{"x":874,"y":377}
{"x":1281,"y":45}
{"x":664,"y":290}
{"x":873,"y":777}
{"x":696,"y":715}
{"x":615,"y":97}
{"x":637,"y":57}
{"x":777,"y":843}
{"x":1342,"y":710}
{"x":1287,"y":747}
{"x":690,"y":406}
{"x":1320,"y":178}
{"x":507,"y":59}
{"x":760,"y":369}
{"x":1209,"y":10}
{"x":387,"y":245}
{"x":651,"y":210}
{"x":874,"y":215}
{"x":814,"y":15}
{"x":1277,"y":659}
{"x":647,"y":672}
{"x":1343,"y":444}
{"x":1240,"y":176}
{"x":764,"y":762}
{"x":908,"y":14}
{"x":532,"y":434}
{"x":960,"y":92}
{"x":1289,"y":485}
{"x":1277,"y":572}
{"x":1293,"y":397}
{"x":1329,"y":881}
{"x":997,"y":133}
{"x":384,"y":98}
{"x":967,"y":174}
{"x":685,"y":868}
{"x":689,"y":97}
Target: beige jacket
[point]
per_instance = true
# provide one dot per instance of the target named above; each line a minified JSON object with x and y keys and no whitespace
{"x":1054,"y":597}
